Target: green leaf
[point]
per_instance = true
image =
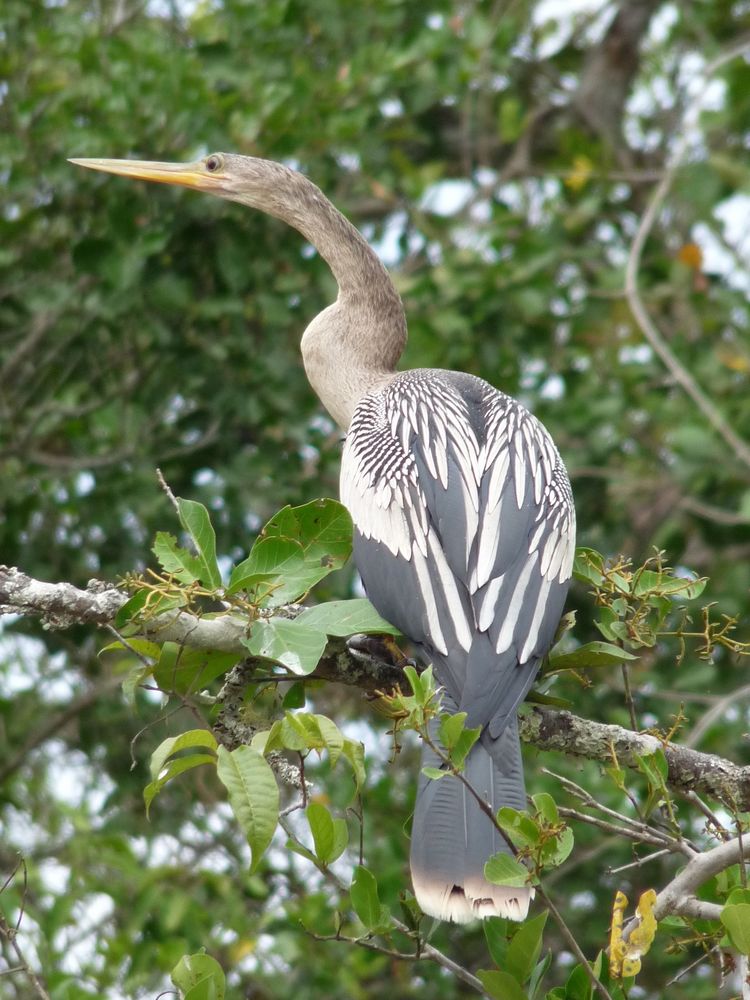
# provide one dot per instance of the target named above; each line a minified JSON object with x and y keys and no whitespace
{"x":591,"y":654}
{"x":200,"y":977}
{"x":131,"y":608}
{"x":538,"y":974}
{"x":365,"y":900}
{"x":287,"y":642}
{"x":678,"y":587}
{"x":546,"y":806}
{"x":557,"y":850}
{"x":502,"y":869}
{"x":588,"y":566}
{"x":331,"y":736}
{"x":610,"y":625}
{"x":579,"y":986}
{"x":342,"y":618}
{"x":355,"y":754}
{"x":523,"y":951}
{"x":135,"y":645}
{"x":253,"y":795}
{"x":175,"y":767}
{"x":520,"y":827}
{"x":737,"y":895}
{"x":271,"y":562}
{"x":147,"y":601}
{"x":133,"y":680}
{"x":496,"y":935}
{"x":655,"y":767}
{"x":435,"y":773}
{"x":295,"y":696}
{"x":422,"y":685}
{"x":456,"y":739}
{"x":182,"y":670}
{"x":323,"y":528}
{"x":450,"y":729}
{"x":195,"y":520}
{"x":330,"y":835}
{"x":175,"y":560}
{"x":501,"y":985}
{"x":185,"y":741}
{"x":295,"y":550}
{"x":735,"y":916}
{"x":647,"y":581}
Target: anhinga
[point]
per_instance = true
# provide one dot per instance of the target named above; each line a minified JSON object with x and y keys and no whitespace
{"x":464,"y":521}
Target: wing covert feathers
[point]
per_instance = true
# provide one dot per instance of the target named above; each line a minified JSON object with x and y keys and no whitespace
{"x":464,"y":539}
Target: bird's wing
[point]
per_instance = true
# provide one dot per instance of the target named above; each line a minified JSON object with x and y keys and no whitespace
{"x":464,"y":530}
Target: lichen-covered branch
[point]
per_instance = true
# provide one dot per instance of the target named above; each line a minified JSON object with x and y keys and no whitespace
{"x":60,"y":605}
{"x":689,"y":770}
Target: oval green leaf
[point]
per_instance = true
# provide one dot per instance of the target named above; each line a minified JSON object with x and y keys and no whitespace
{"x":287,"y":642}
{"x":253,"y":796}
{"x":501,"y":869}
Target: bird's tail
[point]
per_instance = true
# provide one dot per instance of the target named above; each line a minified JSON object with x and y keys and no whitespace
{"x":452,"y":837}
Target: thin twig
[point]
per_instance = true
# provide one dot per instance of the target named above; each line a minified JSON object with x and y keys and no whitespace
{"x":678,"y":371}
{"x":165,"y":486}
{"x":639,"y":862}
{"x":11,"y":936}
{"x":639,"y":836}
{"x":684,"y":972}
{"x":629,"y":697}
{"x":720,"y":831}
{"x":640,"y":829}
{"x":405,"y":956}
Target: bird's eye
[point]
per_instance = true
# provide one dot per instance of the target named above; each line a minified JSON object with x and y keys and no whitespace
{"x":214,"y":162}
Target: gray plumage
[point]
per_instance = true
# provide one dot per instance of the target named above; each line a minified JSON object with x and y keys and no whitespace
{"x":464,"y":540}
{"x":464,"y":522}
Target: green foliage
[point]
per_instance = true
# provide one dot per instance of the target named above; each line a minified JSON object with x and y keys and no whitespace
{"x":340,"y":618}
{"x":199,"y":977}
{"x":457,"y":740}
{"x":736,"y":919}
{"x":505,"y":870}
{"x":161,"y":772}
{"x":196,"y":522}
{"x":287,"y":642}
{"x":253,"y":796}
{"x":330,"y":835}
{"x":516,"y":951}
{"x":542,"y":839}
{"x":297,"y":548}
{"x":143,"y":328}
{"x":366,"y":901}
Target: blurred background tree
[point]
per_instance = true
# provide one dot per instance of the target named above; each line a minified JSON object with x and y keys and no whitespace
{"x":500,"y":156}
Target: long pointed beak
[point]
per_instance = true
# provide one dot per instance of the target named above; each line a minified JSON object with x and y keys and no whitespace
{"x":191,"y":175}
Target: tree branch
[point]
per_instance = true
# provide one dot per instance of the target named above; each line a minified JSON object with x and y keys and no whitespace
{"x":689,"y":770}
{"x":610,"y":68}
{"x":61,"y":605}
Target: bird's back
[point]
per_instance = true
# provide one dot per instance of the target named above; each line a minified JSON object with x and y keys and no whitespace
{"x":464,"y":539}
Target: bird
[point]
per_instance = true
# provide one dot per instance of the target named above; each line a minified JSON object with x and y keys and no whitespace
{"x":464,"y":523}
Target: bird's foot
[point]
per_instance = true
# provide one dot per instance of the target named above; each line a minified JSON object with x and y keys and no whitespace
{"x":383,"y":648}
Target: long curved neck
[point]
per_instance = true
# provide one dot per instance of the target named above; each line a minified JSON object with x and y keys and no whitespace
{"x":353,"y":345}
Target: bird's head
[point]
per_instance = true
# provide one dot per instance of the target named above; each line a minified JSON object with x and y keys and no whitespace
{"x":262,"y":184}
{"x":216,"y":173}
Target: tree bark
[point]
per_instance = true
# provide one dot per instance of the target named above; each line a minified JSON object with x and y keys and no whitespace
{"x":61,"y":605}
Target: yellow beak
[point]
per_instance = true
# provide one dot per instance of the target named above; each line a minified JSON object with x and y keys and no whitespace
{"x":191,"y":175}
